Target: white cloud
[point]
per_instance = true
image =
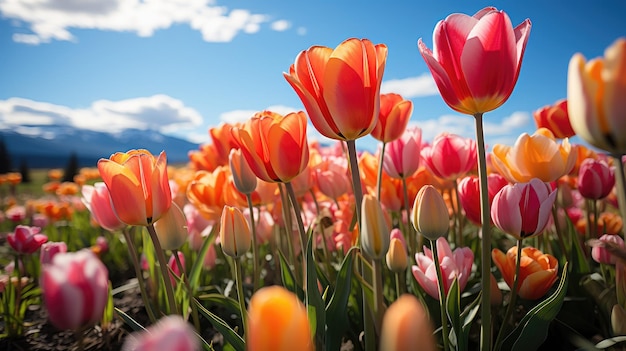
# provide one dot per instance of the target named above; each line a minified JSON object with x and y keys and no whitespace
{"x":158,"y":112}
{"x":411,"y":87}
{"x":53,"y":19}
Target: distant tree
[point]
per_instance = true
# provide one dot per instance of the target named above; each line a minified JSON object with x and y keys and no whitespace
{"x":71,"y":169}
{"x":5,"y":158}
{"x":25,"y":171}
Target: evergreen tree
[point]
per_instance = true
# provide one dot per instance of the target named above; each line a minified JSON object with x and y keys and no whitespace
{"x":5,"y":158}
{"x":71,"y":169}
{"x":25,"y":171}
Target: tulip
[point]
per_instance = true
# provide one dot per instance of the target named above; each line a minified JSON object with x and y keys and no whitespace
{"x":235,"y":234}
{"x":206,"y":192}
{"x":51,"y":249}
{"x":455,"y":264}
{"x":277,"y":321}
{"x":469,"y":194}
{"x":243,"y":177}
{"x":340,"y":88}
{"x":223,"y":141}
{"x":375,"y":233}
{"x":331,"y":176}
{"x":595,"y":179}
{"x":75,"y":289}
{"x":393,"y":117}
{"x":401,"y":157}
{"x":476,"y":60}
{"x":555,"y":118}
{"x":169,"y":333}
{"x":203,"y":159}
{"x":450,"y":156}
{"x":97,"y":199}
{"x":175,"y":271}
{"x":138,"y":184}
{"x":171,"y":229}
{"x":523,"y":209}
{"x":534,"y":156}
{"x":537,"y":271}
{"x":595,"y":91}
{"x":430,"y":215}
{"x":406,"y":327}
{"x":16,"y":213}
{"x":397,"y":258}
{"x":275,"y":147}
{"x":26,"y":240}
{"x":602,"y":253}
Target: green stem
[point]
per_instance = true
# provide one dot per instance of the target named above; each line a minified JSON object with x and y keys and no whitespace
{"x":410,"y":234}
{"x":620,"y":184}
{"x":485,"y":252}
{"x":399,"y":285}
{"x":169,"y":290}
{"x":194,"y":308}
{"x":142,"y":286}
{"x":457,"y":213}
{"x":559,"y":232}
{"x":512,"y":301}
{"x":289,"y":231}
{"x":379,"y":179}
{"x":379,"y":299}
{"x":296,"y":209}
{"x":255,"y":257}
{"x":240,"y":295}
{"x":442,"y":296}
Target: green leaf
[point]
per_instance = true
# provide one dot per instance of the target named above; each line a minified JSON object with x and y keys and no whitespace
{"x":129,"y":320}
{"x":579,"y":263}
{"x":532,"y":330}
{"x":336,"y":310}
{"x":314,"y":303}
{"x":223,"y":301}
{"x":468,"y":315}
{"x":196,"y":269}
{"x":289,"y":280}
{"x":222,"y":327}
{"x":606,"y":343}
{"x":453,"y":309}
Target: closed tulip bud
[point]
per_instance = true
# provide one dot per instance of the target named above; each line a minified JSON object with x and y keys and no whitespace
{"x":397,"y":258}
{"x":607,"y":243}
{"x":235,"y":234}
{"x":450,"y":156}
{"x":430,"y":215}
{"x":26,"y":240}
{"x":50,"y":249}
{"x":401,"y":157}
{"x":75,"y":289}
{"x":172,"y":228}
{"x":595,"y":179}
{"x":538,"y":271}
{"x":277,"y":321}
{"x":243,"y":177}
{"x":169,"y":333}
{"x":375,"y":233}
{"x":406,"y":327}
{"x":618,"y":320}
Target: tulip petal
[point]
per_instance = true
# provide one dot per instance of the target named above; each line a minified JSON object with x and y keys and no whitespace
{"x":128,"y":198}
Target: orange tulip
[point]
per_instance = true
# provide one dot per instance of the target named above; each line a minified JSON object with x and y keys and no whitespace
{"x":555,"y":118}
{"x":274,"y":146}
{"x":206,"y":192}
{"x":534,"y":156}
{"x":138,"y":184}
{"x":205,"y":158}
{"x":595,"y":91}
{"x":235,"y":236}
{"x":340,"y":88}
{"x":476,"y":60}
{"x":277,"y":321}
{"x":393,"y":117}
{"x":223,"y":141}
{"x":537,"y":271}
{"x":406,"y":327}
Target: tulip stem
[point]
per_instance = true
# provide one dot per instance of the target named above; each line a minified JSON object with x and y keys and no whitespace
{"x":296,"y":209}
{"x":255,"y":258}
{"x":442,"y":296}
{"x":410,"y":235}
{"x":289,"y":231}
{"x":240,"y":295}
{"x":169,"y":290}
{"x":194,"y":308}
{"x":513,"y":298}
{"x":379,"y":180}
{"x":142,"y":287}
{"x":379,"y":299}
{"x":485,"y":252}
{"x":620,"y":183}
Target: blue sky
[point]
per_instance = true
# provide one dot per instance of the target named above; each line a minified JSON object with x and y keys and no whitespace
{"x":182,"y":66}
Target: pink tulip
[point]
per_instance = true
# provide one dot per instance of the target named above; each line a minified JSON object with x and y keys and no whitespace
{"x":595,"y":179}
{"x":401,"y":157}
{"x":450,"y":156}
{"x":97,"y":199}
{"x":170,"y":333}
{"x":331,"y":176}
{"x":523,"y":209}
{"x":174,"y":267}
{"x":601,"y":254}
{"x":469,"y":194}
{"x":26,"y":240}
{"x":16,"y":213}
{"x":75,"y":289}
{"x":454,"y":264}
{"x":476,"y":60}
{"x":50,"y":249}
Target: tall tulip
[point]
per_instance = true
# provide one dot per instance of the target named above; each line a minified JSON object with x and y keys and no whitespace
{"x":537,"y":271}
{"x":206,"y":192}
{"x":75,"y":289}
{"x":555,"y":118}
{"x":138,"y":184}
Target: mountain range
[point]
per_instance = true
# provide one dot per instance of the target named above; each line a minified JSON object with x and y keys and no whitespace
{"x":51,"y":146}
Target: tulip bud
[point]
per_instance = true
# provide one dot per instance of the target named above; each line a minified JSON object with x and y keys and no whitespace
{"x":430,"y":215}
{"x":243,"y":177}
{"x":50,"y":249}
{"x":375,"y":233}
{"x":235,"y":234}
{"x":406,"y":326}
{"x":601,"y":254}
{"x":171,"y":229}
{"x":595,"y":179}
{"x":397,"y":258}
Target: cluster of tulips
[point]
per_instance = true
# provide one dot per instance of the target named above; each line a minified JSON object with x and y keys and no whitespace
{"x":423,"y":245}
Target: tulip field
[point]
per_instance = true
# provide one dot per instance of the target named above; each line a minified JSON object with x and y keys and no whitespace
{"x":269,"y":240}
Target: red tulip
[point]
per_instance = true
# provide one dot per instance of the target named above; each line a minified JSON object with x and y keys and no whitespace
{"x":26,"y":240}
{"x":393,"y":117}
{"x":469,"y":194}
{"x":555,"y":118}
{"x":450,"y":156}
{"x":75,"y":289}
{"x":340,"y":88}
{"x":595,"y":179}
{"x":476,"y":60}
